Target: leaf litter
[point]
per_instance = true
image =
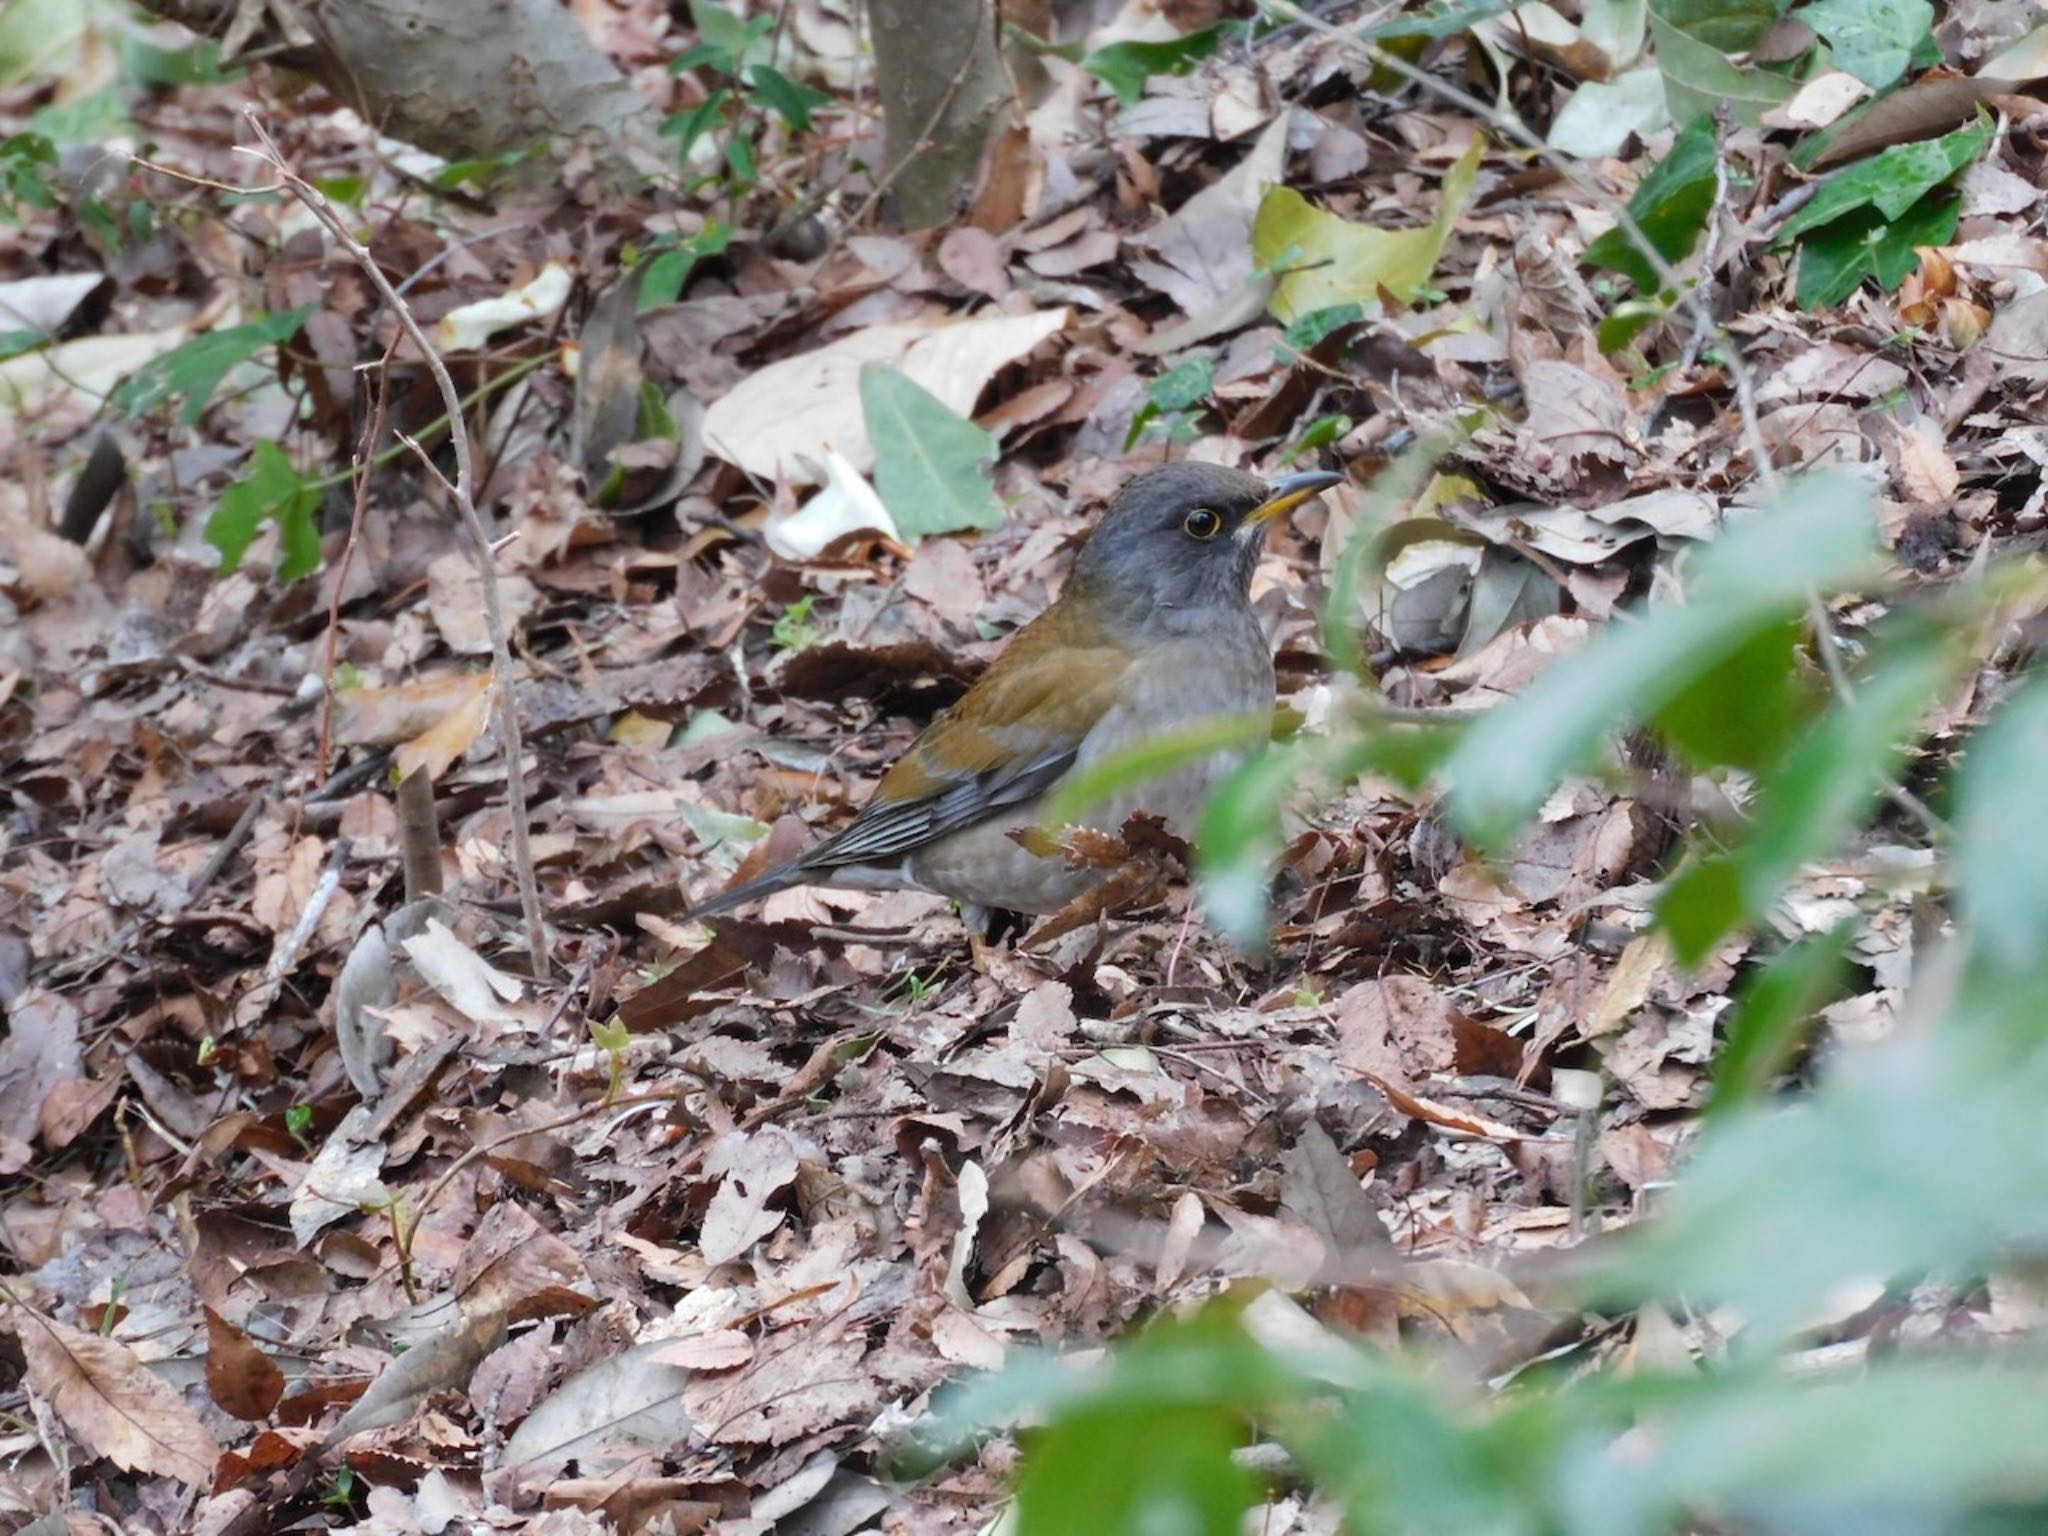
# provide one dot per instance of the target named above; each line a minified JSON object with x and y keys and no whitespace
{"x":712,"y":1266}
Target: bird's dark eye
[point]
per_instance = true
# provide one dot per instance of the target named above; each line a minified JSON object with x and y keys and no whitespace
{"x":1203,"y":523}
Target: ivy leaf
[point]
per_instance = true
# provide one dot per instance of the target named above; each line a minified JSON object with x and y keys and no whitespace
{"x":1835,"y":260}
{"x":1125,"y":67}
{"x":1891,"y":182}
{"x":1874,"y":40}
{"x":1671,"y":205}
{"x":194,"y":370}
{"x":272,"y":491}
{"x":1693,"y":39}
{"x":931,"y":464}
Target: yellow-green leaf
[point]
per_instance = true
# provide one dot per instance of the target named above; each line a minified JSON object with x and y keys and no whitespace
{"x":1322,"y":260}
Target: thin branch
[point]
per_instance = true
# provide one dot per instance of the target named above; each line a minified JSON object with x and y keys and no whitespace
{"x":463,"y":491}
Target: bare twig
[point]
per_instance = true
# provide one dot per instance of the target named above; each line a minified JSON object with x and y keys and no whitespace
{"x":462,"y":490}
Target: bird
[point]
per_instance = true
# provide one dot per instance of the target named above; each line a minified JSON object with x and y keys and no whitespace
{"x":1152,"y":633}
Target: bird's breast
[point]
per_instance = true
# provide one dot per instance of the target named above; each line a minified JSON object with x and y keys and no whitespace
{"x":1175,"y":687}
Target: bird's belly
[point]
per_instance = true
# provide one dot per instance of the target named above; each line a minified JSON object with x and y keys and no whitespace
{"x":986,"y":865}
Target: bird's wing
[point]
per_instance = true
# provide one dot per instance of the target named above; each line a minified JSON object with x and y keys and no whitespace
{"x":1014,"y":733}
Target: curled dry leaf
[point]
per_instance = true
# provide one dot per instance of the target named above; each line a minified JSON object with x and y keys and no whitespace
{"x":115,"y":1404}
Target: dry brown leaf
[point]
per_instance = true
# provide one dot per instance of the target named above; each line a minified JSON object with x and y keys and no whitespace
{"x":442,"y":744}
{"x":115,"y":1404}
{"x":242,"y":1378}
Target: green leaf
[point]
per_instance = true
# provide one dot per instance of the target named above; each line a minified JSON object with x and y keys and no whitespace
{"x":1125,"y":67}
{"x":1601,"y":114}
{"x":1779,"y":1208}
{"x":1180,"y":388}
{"x":1692,"y":47}
{"x":686,"y":128}
{"x":1148,"y":758}
{"x":1892,"y":181}
{"x":2001,"y":832}
{"x":1727,"y":26}
{"x":931,"y":465}
{"x":1909,"y":1447}
{"x":1240,"y":835}
{"x":1137,"y":1470}
{"x":1309,"y":329}
{"x":1755,"y":574}
{"x":194,"y":370}
{"x":1833,"y":261}
{"x":1336,"y":262}
{"x":792,"y":102}
{"x":1773,"y":1013}
{"x":669,"y":272}
{"x":1184,"y":386}
{"x":1874,"y":40}
{"x":1671,"y":206}
{"x":1743,"y":713}
{"x":727,"y":39}
{"x":1439,"y":19}
{"x":271,"y":491}
{"x":1816,"y":797}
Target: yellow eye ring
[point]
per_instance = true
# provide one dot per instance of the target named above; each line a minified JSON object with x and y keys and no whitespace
{"x":1203,"y":523}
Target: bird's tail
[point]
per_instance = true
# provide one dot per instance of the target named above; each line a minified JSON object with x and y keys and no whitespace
{"x":778,"y":879}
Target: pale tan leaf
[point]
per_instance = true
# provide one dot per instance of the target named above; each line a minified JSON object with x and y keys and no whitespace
{"x":114,"y":1403}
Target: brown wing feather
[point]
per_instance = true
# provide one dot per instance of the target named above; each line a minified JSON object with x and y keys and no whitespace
{"x":1014,"y":732}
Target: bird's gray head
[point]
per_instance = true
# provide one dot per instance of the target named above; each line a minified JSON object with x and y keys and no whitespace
{"x":1180,"y":542}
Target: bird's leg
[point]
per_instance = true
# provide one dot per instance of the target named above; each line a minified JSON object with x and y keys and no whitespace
{"x":251,"y":14}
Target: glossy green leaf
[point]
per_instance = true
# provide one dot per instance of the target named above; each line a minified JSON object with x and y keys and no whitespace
{"x":1756,"y":574}
{"x":1834,"y":260}
{"x":1874,"y":40}
{"x":1671,"y":206}
{"x":193,"y":370}
{"x":271,"y":491}
{"x":1125,"y":67}
{"x":1890,"y":182}
{"x":931,"y":464}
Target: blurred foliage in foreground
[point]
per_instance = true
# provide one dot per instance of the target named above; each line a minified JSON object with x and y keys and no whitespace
{"x":1922,"y":1156}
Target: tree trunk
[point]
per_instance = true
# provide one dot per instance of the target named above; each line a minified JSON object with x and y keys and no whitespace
{"x":940,"y":75}
{"x":464,"y":79}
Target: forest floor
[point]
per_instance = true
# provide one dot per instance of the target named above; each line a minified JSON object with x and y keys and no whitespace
{"x":843,"y":1155}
